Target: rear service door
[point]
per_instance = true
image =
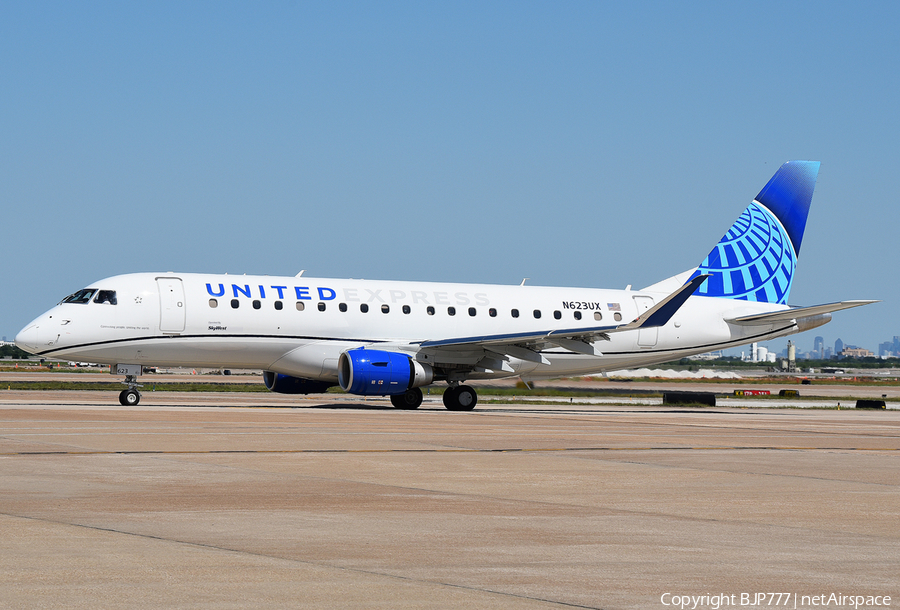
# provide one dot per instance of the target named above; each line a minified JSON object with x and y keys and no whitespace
{"x":171,"y":304}
{"x":646,"y":336}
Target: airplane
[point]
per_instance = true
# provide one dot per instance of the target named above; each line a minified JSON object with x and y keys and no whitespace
{"x":387,"y":338}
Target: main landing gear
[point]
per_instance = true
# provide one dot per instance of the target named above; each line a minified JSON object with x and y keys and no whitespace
{"x":456,"y":398}
{"x":460,"y":398}
{"x":411,"y":399}
{"x":130,"y":397}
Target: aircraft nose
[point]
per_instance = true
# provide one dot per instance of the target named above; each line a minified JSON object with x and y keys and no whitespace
{"x":27,"y":339}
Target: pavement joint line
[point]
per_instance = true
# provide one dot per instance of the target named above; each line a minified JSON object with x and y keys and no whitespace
{"x":462,"y":450}
{"x":325,"y":565}
{"x":685,"y":425}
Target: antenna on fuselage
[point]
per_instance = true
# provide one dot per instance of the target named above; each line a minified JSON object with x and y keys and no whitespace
{"x":301,"y":273}
{"x":524,"y":280}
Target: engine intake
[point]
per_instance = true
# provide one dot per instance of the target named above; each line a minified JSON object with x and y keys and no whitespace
{"x":285,"y":384}
{"x":371,"y":372}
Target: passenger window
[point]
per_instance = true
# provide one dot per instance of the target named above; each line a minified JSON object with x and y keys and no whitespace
{"x":256,"y":304}
{"x":342,"y":307}
{"x":364,"y":308}
{"x":279,"y":305}
{"x":557,"y":315}
{"x":537,"y":313}
{"x":385,"y":309}
{"x":577,"y":315}
{"x":430,"y":310}
{"x":451,"y":311}
{"x":515,"y":313}
{"x":472,"y":311}
{"x":301,"y":305}
{"x":81,"y":297}
{"x":235,"y":303}
{"x":213,"y":303}
{"x":321,"y":305}
{"x":106,"y":296}
{"x":598,"y":316}
{"x":492,"y":312}
{"x":406,"y":309}
{"x":617,"y":317}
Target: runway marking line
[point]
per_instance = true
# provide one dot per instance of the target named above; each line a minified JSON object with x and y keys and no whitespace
{"x":502,"y":450}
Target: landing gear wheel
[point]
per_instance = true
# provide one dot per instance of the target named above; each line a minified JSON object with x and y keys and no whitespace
{"x":129,"y":398}
{"x":449,"y":397}
{"x":411,"y":399}
{"x":460,"y":398}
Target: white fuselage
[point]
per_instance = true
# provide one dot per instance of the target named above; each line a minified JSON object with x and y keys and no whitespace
{"x":300,"y":326}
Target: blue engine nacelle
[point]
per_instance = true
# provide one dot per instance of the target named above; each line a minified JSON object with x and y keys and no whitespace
{"x":374,"y":372}
{"x":285,"y":384}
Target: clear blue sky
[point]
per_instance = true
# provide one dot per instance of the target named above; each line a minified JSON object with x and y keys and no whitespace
{"x":585,"y":144}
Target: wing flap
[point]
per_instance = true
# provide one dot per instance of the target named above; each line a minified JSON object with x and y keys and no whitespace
{"x":581,"y":347}
{"x":516,"y":351}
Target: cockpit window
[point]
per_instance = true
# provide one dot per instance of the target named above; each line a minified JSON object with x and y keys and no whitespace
{"x":82,"y":296}
{"x":106,"y":296}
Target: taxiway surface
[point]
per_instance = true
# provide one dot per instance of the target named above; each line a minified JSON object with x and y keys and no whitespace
{"x":259,"y":500}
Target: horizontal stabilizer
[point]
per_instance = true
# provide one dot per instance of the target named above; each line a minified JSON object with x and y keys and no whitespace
{"x":796,"y":312}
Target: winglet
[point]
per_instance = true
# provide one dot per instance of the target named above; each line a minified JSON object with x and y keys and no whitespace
{"x":662,"y":312}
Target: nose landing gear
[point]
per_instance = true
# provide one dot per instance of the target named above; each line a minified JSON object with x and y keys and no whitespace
{"x":130,"y":397}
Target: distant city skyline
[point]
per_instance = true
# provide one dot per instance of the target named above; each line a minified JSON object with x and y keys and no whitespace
{"x":807,"y":344}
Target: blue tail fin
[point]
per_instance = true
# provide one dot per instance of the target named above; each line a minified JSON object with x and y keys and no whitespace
{"x":756,"y":258}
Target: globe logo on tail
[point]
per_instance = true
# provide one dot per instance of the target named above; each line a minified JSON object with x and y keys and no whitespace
{"x":754,"y":261}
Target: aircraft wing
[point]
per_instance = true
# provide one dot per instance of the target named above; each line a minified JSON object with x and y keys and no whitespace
{"x":520,"y":345}
{"x":795,"y":313}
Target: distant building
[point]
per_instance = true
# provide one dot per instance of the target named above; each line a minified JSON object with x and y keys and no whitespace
{"x":856,"y":352}
{"x":819,"y":347}
{"x":828,"y":353}
{"x":758,"y":353}
{"x":708,"y":355}
{"x":838,"y":347}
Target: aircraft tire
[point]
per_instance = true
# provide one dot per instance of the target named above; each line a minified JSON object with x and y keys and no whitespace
{"x":129,"y":398}
{"x":410,"y":399}
{"x":449,"y":397}
{"x":461,"y":398}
